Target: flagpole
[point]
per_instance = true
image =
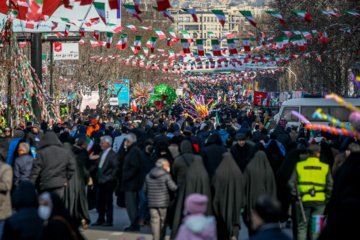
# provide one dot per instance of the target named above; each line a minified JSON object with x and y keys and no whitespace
{"x":82,"y":23}
{"x":9,"y":80}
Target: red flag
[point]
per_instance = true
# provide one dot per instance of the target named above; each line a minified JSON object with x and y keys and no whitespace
{"x":113,"y":4}
{"x":85,"y":2}
{"x":258,"y":97}
{"x":163,"y":5}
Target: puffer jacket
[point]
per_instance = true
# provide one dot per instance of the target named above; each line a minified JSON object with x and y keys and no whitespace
{"x":22,"y":168}
{"x":54,"y":164}
{"x":156,"y":187}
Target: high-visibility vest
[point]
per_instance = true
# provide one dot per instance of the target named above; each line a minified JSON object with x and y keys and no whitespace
{"x":3,"y":120}
{"x":64,"y":111}
{"x":312,"y":179}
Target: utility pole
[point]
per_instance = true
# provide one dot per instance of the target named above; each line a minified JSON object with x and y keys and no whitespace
{"x":51,"y":69}
{"x":9,"y":81}
{"x":36,"y":62}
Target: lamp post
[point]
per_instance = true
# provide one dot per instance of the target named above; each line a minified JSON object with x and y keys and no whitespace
{"x":294,"y":75}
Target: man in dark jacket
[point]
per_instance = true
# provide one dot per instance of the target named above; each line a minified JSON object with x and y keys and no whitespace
{"x":53,"y":166}
{"x":25,"y":224}
{"x":132,"y":180}
{"x":22,"y":164}
{"x":106,"y":182}
{"x":212,"y":154}
{"x":34,"y":136}
{"x":204,"y":136}
{"x":242,"y":152}
{"x":157,"y":185}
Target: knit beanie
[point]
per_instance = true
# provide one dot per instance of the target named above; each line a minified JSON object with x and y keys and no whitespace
{"x":196,"y":203}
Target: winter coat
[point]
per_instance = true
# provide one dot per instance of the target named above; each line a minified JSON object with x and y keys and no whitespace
{"x":156,"y":187}
{"x":110,"y":168}
{"x":132,"y":170}
{"x":118,"y":142}
{"x":212,"y":154}
{"x":224,"y":135}
{"x":245,"y":128}
{"x":6,"y":179}
{"x":22,"y":168}
{"x":54,"y":165}
{"x":149,"y":160}
{"x":25,"y":224}
{"x":197,"y":227}
{"x":203,"y":137}
{"x":282,"y":137}
{"x":33,"y":139}
{"x":242,"y":155}
{"x":270,"y":231}
{"x":183,"y":162}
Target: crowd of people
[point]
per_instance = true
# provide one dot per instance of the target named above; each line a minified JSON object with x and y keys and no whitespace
{"x":194,"y":176}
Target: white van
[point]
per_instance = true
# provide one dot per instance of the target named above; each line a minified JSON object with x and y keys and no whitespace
{"x":307,"y":106}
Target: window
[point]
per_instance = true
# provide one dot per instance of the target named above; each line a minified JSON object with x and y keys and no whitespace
{"x":208,"y":19}
{"x":204,"y":34}
{"x":181,"y":27}
{"x":287,"y":114}
{"x":308,"y":112}
{"x":191,"y":27}
{"x":340,"y":113}
{"x":204,"y":27}
{"x":200,"y":27}
{"x":215,"y":27}
{"x":187,"y":19}
{"x":181,"y":19}
{"x":200,"y":19}
{"x":212,"y":19}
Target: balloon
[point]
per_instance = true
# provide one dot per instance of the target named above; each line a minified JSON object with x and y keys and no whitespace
{"x":354,"y":119}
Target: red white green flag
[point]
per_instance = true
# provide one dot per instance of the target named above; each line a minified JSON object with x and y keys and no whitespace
{"x":131,"y":9}
{"x":115,"y":28}
{"x":100,"y":9}
{"x":82,"y":32}
{"x":356,"y":14}
{"x":306,"y":34}
{"x":162,"y":5}
{"x":232,"y":46}
{"x":136,"y":5}
{"x":317,"y":223}
{"x":151,"y":43}
{"x":186,"y":34}
{"x":137,"y":42}
{"x":221,"y":16}
{"x":146,"y":28}
{"x":109,"y":37}
{"x":165,"y":14}
{"x":133,"y":49}
{"x":280,"y":43}
{"x":330,"y":13}
{"x":298,"y":40}
{"x":185,"y":45}
{"x":96,"y":35}
{"x":30,"y":24}
{"x":228,"y":34}
{"x":246,"y":44}
{"x":34,"y":10}
{"x":94,"y":43}
{"x":67,"y":29}
{"x":67,"y":21}
{"x":249,"y":17}
{"x":303,"y":15}
{"x":146,"y":51}
{"x":172,"y":33}
{"x":171,"y":55}
{"x":278,"y":16}
{"x":54,"y":25}
{"x":160,"y":33}
{"x":216,"y":47}
{"x":192,"y":11}
{"x":200,"y":46}
{"x":212,"y":35}
{"x":122,"y":43}
{"x":132,"y":27}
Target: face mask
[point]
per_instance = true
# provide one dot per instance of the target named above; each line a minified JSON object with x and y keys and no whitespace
{"x":44,"y":212}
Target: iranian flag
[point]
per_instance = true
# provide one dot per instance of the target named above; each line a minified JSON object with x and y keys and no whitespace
{"x":209,"y":57}
{"x":171,"y":55}
{"x":228,"y":34}
{"x":249,"y":17}
{"x":220,"y":15}
{"x":94,"y":43}
{"x":287,"y":33}
{"x":185,"y":45}
{"x":30,"y":24}
{"x":299,"y":41}
{"x":115,"y":28}
{"x":162,"y":5}
{"x":216,"y":47}
{"x":109,"y":37}
{"x":169,"y":42}
{"x":102,"y":43}
{"x":317,"y":223}
{"x":172,"y":33}
{"x":277,"y":59}
{"x":280,"y":43}
{"x":197,"y":34}
{"x":200,"y":47}
{"x":67,"y":29}
{"x":160,"y":33}
{"x":22,"y":44}
{"x":246,"y":44}
{"x":151,"y":43}
{"x":287,"y":59}
{"x":232,"y":46}
{"x":136,"y":5}
{"x":304,"y":15}
{"x":90,"y":144}
{"x":146,"y":51}
{"x":82,"y":41}
{"x":96,"y":35}
{"x":186,"y":34}
{"x":137,"y":42}
{"x":192,"y":12}
{"x":212,"y":35}
{"x":122,"y":44}
{"x":67,"y":21}
{"x":146,"y":28}
{"x":100,"y":9}
{"x":330,"y":13}
{"x":34,"y":10}
{"x":54,"y":25}
{"x":141,"y":64}
{"x":132,"y":27}
{"x":131,"y":9}
{"x":278,"y":16}
{"x":315,"y":33}
{"x":135,"y":51}
{"x":306,"y":34}
{"x":82,"y":32}
{"x":113,"y":4}
{"x":133,"y":106}
{"x":356,"y":14}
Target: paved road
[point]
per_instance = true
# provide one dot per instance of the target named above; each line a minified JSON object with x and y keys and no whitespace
{"x":120,"y":221}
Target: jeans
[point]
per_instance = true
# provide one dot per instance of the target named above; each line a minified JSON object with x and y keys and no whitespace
{"x":305,"y":228}
{"x":143,"y":207}
{"x":158,"y":217}
{"x":104,"y":199}
{"x":132,"y":208}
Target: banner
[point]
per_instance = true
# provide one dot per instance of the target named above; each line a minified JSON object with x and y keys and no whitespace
{"x":124,"y":94}
{"x":66,"y":51}
{"x":258,"y":97}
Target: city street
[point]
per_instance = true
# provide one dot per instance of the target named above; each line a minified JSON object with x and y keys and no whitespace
{"x":120,"y":221}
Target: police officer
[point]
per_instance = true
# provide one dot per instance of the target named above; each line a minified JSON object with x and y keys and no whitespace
{"x":64,"y":111}
{"x":312,"y":182}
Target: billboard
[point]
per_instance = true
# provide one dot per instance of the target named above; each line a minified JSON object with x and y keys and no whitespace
{"x":124,"y":94}
{"x":66,"y":51}
{"x":75,"y":15}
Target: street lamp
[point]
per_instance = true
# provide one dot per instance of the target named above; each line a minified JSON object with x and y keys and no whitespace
{"x":293,"y":74}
